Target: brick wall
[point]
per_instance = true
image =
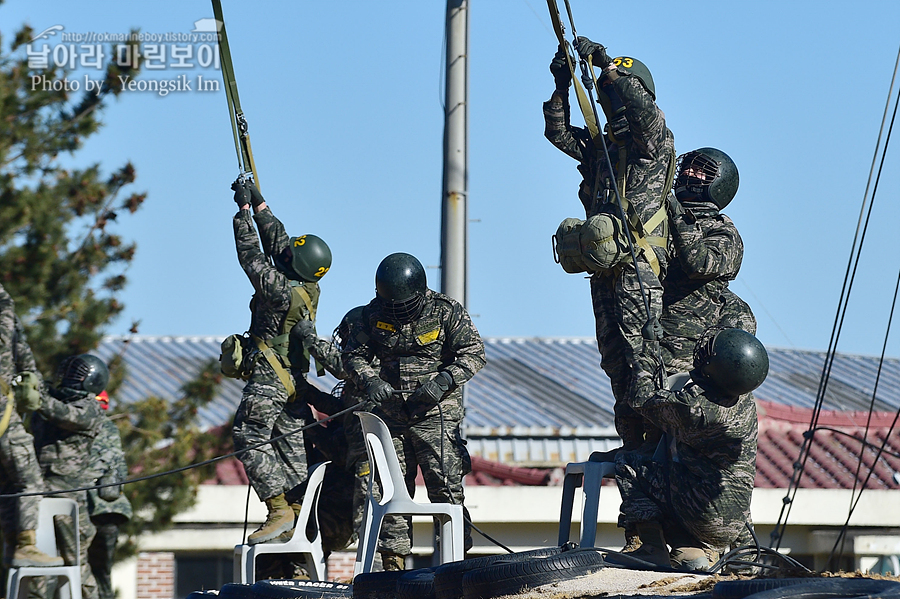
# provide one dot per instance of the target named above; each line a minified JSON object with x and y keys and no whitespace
{"x":156,"y":575}
{"x":340,"y":566}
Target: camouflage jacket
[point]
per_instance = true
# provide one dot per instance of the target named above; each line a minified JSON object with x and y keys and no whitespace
{"x":704,"y":437}
{"x":706,"y":253}
{"x":443,"y":337}
{"x":15,"y":354}
{"x":64,"y":428}
{"x":650,"y":150}
{"x":272,"y":298}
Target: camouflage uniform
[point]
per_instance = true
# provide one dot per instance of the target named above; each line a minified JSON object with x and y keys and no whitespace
{"x":706,"y":254}
{"x":703,"y":484}
{"x":19,"y":469}
{"x":619,"y":309}
{"x":442,"y":338}
{"x":265,"y":411}
{"x":108,"y":508}
{"x":64,"y":428}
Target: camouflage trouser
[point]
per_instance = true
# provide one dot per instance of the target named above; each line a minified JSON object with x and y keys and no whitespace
{"x":711,"y":509}
{"x":19,"y":473}
{"x":620,"y":314}
{"x":685,"y":321}
{"x":100,"y":558}
{"x":264,"y":413}
{"x":420,"y":445}
{"x":358,"y":464}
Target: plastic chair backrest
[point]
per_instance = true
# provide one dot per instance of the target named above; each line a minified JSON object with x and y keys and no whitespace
{"x":383,"y":455}
{"x":46,"y":531}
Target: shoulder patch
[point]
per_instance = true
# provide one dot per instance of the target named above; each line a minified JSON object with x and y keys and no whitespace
{"x":426,"y":338}
{"x":385,"y":326}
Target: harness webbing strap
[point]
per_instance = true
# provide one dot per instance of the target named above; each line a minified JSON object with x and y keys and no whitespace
{"x":238,"y":122}
{"x":272,"y":358}
{"x":583,"y":102}
{"x":7,"y":413}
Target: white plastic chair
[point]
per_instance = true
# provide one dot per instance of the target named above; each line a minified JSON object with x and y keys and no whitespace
{"x":589,"y":476}
{"x":395,"y":499}
{"x":311,"y":549}
{"x":46,"y":542}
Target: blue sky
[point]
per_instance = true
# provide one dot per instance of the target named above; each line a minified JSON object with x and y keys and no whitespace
{"x":344,"y":105}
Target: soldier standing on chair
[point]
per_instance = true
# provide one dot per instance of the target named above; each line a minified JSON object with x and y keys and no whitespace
{"x":273,"y":402}
{"x":65,"y":425}
{"x":19,"y":469}
{"x":427,"y":347}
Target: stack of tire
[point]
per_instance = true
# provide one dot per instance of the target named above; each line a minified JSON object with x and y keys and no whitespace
{"x":279,"y":589}
{"x":480,"y":577}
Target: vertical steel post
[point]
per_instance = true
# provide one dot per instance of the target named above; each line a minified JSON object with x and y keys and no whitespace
{"x":454,"y":211}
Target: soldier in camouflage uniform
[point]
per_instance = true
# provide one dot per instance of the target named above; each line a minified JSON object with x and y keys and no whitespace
{"x":65,"y":425}
{"x":270,"y":406}
{"x":108,"y":506}
{"x":641,"y":149}
{"x":427,"y":347}
{"x":19,"y":469}
{"x":694,"y":492}
{"x":706,"y":252}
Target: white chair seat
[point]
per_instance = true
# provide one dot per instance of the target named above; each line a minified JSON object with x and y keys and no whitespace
{"x":46,"y":542}
{"x":395,"y":499}
{"x":311,"y":549}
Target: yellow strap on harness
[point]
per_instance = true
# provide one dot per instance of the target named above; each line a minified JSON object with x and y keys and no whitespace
{"x":7,"y":413}
{"x":583,"y":102}
{"x":272,"y":358}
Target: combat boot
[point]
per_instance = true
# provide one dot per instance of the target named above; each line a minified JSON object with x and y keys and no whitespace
{"x":689,"y":559}
{"x":392,"y":562}
{"x":279,"y":520}
{"x":287,"y":536}
{"x":653,"y":547}
{"x":27,"y":553}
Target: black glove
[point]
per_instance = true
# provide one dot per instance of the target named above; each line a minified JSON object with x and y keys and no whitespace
{"x":378,"y":390}
{"x":674,"y":207}
{"x":597,"y":52}
{"x":108,"y":493}
{"x":242,"y":195}
{"x":432,"y":391}
{"x":559,"y":67}
{"x":652,"y":330}
{"x":305,"y":331}
{"x":255,"y":196}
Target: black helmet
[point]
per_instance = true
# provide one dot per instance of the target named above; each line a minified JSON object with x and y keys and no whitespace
{"x":732,"y":361}
{"x":84,"y":373}
{"x":708,"y":175}
{"x":400,"y":286}
{"x":307,"y":258}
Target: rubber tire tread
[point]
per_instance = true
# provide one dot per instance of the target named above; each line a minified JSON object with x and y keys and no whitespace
{"x":448,"y":577}
{"x":833,"y":588}
{"x":203,"y":594}
{"x":417,"y":584}
{"x":510,"y":578}
{"x":377,"y":585}
{"x":738,"y":589}
{"x":234,"y":590}
{"x":301,"y":589}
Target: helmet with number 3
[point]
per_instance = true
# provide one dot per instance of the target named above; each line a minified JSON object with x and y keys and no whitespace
{"x":612,"y":105}
{"x":307,"y":258}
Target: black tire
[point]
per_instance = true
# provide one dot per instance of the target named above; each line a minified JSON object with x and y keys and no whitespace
{"x":203,"y":595}
{"x":509,"y":578}
{"x":448,"y":577}
{"x":416,"y":584}
{"x":301,"y":589}
{"x":832,"y":588}
{"x":738,"y":589}
{"x":377,"y":585}
{"x":233,"y":590}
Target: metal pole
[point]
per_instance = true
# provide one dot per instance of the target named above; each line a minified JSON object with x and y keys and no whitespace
{"x":454,"y":212}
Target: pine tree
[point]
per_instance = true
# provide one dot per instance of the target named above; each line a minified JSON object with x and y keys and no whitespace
{"x":60,"y":257}
{"x":64,"y":263}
